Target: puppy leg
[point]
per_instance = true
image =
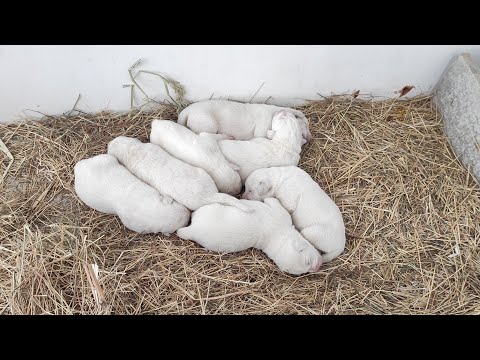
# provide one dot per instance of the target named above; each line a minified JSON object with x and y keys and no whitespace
{"x":188,"y":232}
{"x":330,"y":243}
{"x":185,"y":233}
{"x":212,"y":140}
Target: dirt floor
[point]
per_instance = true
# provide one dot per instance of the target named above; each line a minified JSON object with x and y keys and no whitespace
{"x":411,"y":211}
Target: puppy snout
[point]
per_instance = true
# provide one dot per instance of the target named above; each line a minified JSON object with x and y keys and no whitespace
{"x":317,"y":266}
{"x":246,"y":196}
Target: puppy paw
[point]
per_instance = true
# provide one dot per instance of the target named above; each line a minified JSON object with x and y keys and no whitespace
{"x":167,"y":200}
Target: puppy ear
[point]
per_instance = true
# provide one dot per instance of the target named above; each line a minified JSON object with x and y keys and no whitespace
{"x":281,"y":113}
{"x":298,"y":114}
{"x":270,"y":134}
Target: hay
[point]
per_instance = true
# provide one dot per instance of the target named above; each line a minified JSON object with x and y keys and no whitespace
{"x":180,"y":102}
{"x":411,"y":209}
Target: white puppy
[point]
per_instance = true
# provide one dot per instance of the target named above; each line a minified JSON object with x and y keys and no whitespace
{"x":197,"y":150}
{"x":314,"y":213}
{"x":283,"y":149}
{"x":189,"y":185}
{"x":226,"y":229}
{"x":242,"y":121}
{"x":106,"y":186}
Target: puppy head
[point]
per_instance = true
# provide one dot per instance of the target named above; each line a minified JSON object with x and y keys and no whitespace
{"x":295,"y":255}
{"x":285,"y":125}
{"x":301,"y":119}
{"x":258,"y":186}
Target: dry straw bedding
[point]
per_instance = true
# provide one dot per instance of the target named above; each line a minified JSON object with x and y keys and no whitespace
{"x":408,"y":206}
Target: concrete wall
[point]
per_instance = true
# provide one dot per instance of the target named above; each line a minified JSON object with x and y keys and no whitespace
{"x":49,"y":78}
{"x":458,"y":99}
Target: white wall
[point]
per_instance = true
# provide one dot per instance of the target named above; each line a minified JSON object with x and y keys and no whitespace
{"x":49,"y":78}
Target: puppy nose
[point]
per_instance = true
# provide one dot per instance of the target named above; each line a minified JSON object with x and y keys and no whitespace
{"x":245,"y":195}
{"x":316,"y":268}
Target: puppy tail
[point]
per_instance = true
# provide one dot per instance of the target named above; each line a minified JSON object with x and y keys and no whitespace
{"x":183,"y":117}
{"x":229,"y":200}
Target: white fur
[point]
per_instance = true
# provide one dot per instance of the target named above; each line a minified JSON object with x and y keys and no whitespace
{"x":189,"y":185}
{"x":242,"y":121}
{"x":226,"y":229}
{"x":106,"y":186}
{"x":283,"y":149}
{"x":314,"y":213}
{"x":197,"y":150}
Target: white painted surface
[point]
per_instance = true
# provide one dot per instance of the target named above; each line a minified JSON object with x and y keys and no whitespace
{"x":49,"y":78}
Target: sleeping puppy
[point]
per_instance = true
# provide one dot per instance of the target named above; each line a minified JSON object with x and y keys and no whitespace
{"x":242,"y":121}
{"x":105,"y":185}
{"x":314,"y":213}
{"x":282,"y":147}
{"x":226,"y":229}
{"x":197,"y":150}
{"x":190,"y":186}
